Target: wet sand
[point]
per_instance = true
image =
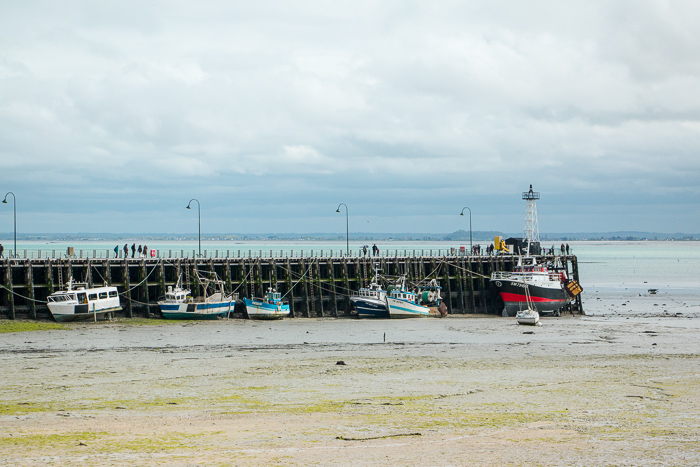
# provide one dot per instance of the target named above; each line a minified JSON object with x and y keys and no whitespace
{"x":620,"y":387}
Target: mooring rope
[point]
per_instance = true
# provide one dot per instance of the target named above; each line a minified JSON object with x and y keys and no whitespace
{"x":300,"y":278}
{"x":22,"y":296}
{"x":467,"y":270}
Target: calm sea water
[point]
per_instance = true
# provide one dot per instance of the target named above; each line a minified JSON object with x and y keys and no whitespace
{"x":638,"y":265}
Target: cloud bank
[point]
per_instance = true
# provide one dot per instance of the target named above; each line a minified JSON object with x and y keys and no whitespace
{"x":114,"y":115}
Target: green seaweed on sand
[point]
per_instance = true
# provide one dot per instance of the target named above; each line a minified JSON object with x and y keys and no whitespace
{"x":7,"y":325}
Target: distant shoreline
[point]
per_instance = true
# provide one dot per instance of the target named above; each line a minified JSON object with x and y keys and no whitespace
{"x":354,"y":237}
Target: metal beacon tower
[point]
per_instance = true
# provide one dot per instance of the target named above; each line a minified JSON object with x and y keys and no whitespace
{"x":532,"y":230}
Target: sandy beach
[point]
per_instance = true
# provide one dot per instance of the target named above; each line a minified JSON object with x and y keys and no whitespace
{"x":613,"y":388}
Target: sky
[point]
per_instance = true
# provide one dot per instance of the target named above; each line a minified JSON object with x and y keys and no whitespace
{"x":113,"y":115}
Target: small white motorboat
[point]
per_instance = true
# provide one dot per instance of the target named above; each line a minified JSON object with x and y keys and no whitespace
{"x":529,"y":315}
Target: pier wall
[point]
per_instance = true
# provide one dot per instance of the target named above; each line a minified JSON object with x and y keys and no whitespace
{"x":313,"y":286}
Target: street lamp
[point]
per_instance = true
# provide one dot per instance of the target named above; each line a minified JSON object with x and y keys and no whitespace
{"x":347,"y":227}
{"x":199,"y":223}
{"x":15,"y":205}
{"x":470,"y":228}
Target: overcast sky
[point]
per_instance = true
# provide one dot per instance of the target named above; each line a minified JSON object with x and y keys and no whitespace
{"x":113,"y":115}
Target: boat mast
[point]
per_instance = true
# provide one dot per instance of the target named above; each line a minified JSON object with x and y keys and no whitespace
{"x":532,"y":230}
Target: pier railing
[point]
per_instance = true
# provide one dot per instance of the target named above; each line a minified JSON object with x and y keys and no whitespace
{"x":232,"y":253}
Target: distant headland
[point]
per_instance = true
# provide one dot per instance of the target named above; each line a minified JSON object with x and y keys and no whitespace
{"x":459,"y":235}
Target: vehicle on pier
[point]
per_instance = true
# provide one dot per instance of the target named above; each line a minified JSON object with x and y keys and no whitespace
{"x":80,"y":302}
{"x":214,"y":303}
{"x":404,"y":303}
{"x":270,"y":307}
{"x":546,"y":288}
{"x":370,"y":302}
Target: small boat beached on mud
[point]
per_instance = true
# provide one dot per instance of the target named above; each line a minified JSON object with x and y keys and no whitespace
{"x":529,"y":315}
{"x":270,"y":307}
{"x":370,"y":302}
{"x":78,"y":301}
{"x":213,"y":304}
{"x":404,"y":303}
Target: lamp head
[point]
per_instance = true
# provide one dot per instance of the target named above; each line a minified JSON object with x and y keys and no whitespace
{"x":337,"y":210}
{"x":188,"y":206}
{"x":5,"y":200}
{"x":461,"y":213}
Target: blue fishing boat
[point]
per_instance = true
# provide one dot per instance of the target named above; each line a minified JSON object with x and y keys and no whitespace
{"x":214,"y":303}
{"x":270,"y":307}
{"x":370,"y":302}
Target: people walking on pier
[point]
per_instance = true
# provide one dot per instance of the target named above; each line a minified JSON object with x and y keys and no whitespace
{"x":364,"y":250}
{"x":126,"y":250}
{"x":133,"y":250}
{"x":563,"y":249}
{"x":375,"y":250}
{"x":567,"y":249}
{"x":116,"y":251}
{"x":2,"y":249}
{"x":145,"y":251}
{"x":139,"y":250}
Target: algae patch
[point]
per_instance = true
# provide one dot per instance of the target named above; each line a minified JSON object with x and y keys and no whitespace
{"x":7,"y":326}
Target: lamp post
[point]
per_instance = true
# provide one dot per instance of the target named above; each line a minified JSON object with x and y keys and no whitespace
{"x":14,"y":199}
{"x":199,"y":222}
{"x":471,"y":246}
{"x":347,"y":227}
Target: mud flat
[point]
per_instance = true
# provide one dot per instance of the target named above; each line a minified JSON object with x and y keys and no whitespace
{"x":608,"y":389}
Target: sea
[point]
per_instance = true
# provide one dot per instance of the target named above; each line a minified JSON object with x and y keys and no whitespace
{"x":661,"y":277}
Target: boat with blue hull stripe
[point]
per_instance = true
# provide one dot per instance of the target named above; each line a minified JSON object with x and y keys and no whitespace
{"x":178,"y":304}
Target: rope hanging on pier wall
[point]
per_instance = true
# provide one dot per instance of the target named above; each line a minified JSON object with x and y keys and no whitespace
{"x":19,"y":295}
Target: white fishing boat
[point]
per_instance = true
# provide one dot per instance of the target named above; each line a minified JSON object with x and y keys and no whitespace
{"x":404,"y":303}
{"x":214,"y":303}
{"x":270,"y":307}
{"x":79,"y":301}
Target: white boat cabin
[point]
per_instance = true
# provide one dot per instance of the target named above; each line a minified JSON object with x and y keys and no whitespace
{"x":177,"y":295}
